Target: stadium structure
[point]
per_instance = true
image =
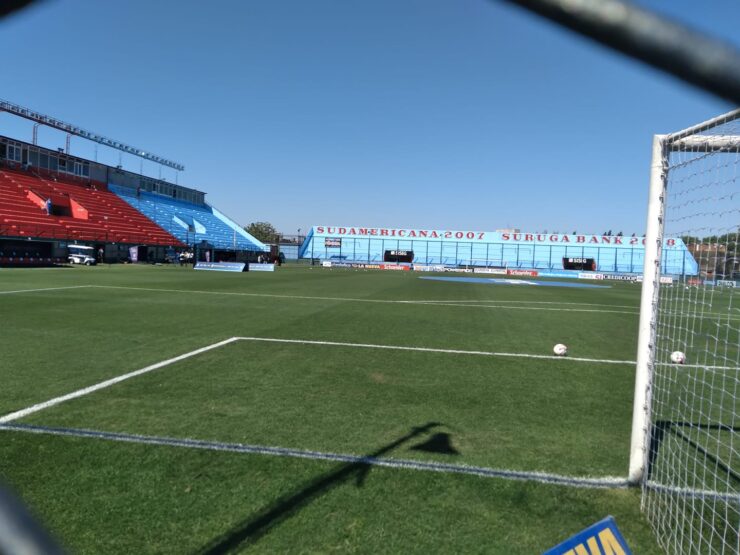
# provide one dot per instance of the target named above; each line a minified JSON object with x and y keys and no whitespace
{"x":50,"y":199}
{"x":553,"y":252}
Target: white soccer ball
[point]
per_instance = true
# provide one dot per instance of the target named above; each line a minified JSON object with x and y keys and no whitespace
{"x":677,"y":357}
{"x":560,"y":350}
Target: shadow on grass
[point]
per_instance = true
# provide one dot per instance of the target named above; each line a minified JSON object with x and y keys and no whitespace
{"x":252,"y":529}
{"x":664,"y":427}
{"x":440,"y":443}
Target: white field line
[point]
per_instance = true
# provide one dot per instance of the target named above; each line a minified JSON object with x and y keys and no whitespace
{"x":462,"y":303}
{"x":702,"y":366}
{"x":728,"y":497}
{"x":542,"y":477}
{"x":358,"y":300}
{"x":433,"y":350}
{"x":539,"y":308}
{"x":449,"y":302}
{"x":633,"y":307}
{"x":107,"y":383}
{"x":44,"y":289}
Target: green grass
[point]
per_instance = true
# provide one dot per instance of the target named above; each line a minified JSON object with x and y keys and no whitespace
{"x":560,"y":416}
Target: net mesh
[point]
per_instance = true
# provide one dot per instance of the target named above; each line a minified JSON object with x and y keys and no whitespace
{"x":692,"y":492}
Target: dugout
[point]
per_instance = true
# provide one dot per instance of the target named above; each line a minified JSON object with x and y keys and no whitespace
{"x":538,"y":251}
{"x":25,"y":253}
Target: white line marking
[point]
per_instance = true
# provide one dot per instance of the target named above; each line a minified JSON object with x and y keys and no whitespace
{"x":451,"y":302}
{"x":540,"y":308}
{"x":107,"y":383}
{"x":433,"y":350}
{"x":351,"y":299}
{"x":542,"y":477}
{"x":44,"y":289}
{"x":728,"y":497}
{"x":530,"y":302}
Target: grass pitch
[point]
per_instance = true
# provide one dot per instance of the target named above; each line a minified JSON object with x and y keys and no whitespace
{"x":514,"y":414}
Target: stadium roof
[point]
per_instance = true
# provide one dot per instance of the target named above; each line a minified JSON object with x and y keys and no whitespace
{"x":55,"y":123}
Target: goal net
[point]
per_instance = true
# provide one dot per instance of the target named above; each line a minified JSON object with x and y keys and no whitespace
{"x":686,"y":432}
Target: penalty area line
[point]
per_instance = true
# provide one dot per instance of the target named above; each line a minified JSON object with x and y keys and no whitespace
{"x":608,"y":482}
{"x":502,"y":306}
{"x":44,"y":289}
{"x":432,"y":350}
{"x":107,"y":383}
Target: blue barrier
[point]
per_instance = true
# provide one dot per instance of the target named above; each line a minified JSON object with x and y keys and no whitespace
{"x":262,"y":267}
{"x":220,"y":266}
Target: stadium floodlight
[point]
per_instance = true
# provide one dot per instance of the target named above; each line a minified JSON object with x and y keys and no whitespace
{"x":685,"y":449}
{"x":49,"y":121}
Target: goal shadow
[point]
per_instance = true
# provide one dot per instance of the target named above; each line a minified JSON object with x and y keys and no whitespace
{"x":253,"y":528}
{"x":663,"y":428}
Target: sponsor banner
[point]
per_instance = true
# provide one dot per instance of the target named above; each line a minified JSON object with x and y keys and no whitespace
{"x":400,"y":267}
{"x":422,"y":268}
{"x":697,"y":281}
{"x":725,"y":283}
{"x":358,"y":265}
{"x":484,"y":236}
{"x":496,"y":271}
{"x":667,"y":280}
{"x":555,"y":274}
{"x":459,"y":270}
{"x":528,"y":273}
{"x":223,"y":266}
{"x":558,"y":273}
{"x":133,"y":254}
{"x":620,"y":277}
{"x":262,"y":267}
{"x":602,"y":537}
{"x":332,"y":243}
{"x":590,"y":276}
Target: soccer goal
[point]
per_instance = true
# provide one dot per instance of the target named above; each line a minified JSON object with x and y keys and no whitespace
{"x":685,"y":450}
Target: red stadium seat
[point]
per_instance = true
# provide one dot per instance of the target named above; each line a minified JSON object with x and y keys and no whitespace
{"x":99,"y":215}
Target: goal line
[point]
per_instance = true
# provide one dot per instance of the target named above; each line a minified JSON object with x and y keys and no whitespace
{"x":606,"y":482}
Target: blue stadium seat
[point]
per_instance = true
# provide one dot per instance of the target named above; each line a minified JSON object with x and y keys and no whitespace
{"x":191,"y":223}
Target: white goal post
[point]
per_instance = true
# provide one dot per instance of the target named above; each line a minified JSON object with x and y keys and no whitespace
{"x":685,"y":447}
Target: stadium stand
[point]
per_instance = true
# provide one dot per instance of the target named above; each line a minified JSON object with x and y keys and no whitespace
{"x":190,"y":223}
{"x":513,"y":250}
{"x":77,"y":212}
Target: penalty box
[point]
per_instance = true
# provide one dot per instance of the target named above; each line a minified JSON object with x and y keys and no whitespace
{"x":504,"y":410}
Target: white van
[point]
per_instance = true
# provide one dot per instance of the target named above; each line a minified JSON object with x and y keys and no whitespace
{"x":80,"y":254}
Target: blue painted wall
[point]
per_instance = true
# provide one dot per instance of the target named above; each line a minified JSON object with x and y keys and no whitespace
{"x":490,"y":248}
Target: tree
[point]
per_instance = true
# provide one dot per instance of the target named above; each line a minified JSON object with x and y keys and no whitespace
{"x":263,"y":231}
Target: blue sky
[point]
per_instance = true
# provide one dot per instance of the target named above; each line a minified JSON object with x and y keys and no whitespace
{"x":455,"y":114}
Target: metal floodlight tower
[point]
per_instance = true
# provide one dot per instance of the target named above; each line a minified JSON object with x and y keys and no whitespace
{"x":70,"y":129}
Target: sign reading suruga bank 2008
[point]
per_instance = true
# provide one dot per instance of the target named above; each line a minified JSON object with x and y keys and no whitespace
{"x":480,"y":236}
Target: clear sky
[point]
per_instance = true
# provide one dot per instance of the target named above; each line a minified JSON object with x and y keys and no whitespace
{"x":444,"y":114}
